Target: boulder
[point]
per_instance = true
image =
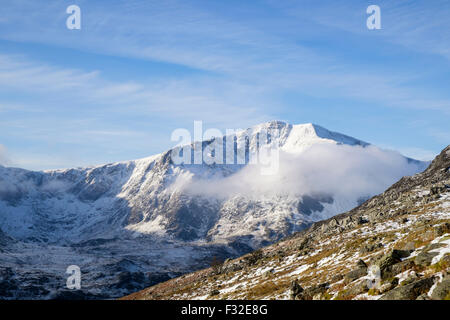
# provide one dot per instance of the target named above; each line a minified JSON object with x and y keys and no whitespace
{"x":434,"y":246}
{"x":348,"y":222}
{"x":231,"y":266}
{"x":361,"y":264}
{"x":423,"y":296}
{"x":401,"y":267}
{"x":446,"y":259}
{"x":296,"y":289}
{"x":412,"y":276}
{"x":370,"y":247}
{"x":442,"y":229}
{"x":441,"y":291}
{"x":436,"y":190}
{"x":356,"y":289}
{"x":385,"y":287}
{"x":409,"y":246}
{"x":355,"y":274}
{"x":304,"y":244}
{"x":337,"y":277}
{"x":389,"y":285}
{"x":401,"y":253}
{"x":214,"y":292}
{"x":362,"y":220}
{"x":387,"y":261}
{"x":424,"y":258}
{"x":313,"y":291}
{"x":410,"y":291}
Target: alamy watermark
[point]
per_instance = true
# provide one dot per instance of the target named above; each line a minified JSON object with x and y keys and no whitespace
{"x":235,"y":147}
{"x":374,"y":277}
{"x":74,"y":20}
{"x":74,"y":280}
{"x":374,"y":20}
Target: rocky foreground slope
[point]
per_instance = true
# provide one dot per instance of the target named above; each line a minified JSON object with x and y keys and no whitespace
{"x":394,"y":246}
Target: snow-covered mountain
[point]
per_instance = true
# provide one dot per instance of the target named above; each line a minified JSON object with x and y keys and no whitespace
{"x":132,"y":224}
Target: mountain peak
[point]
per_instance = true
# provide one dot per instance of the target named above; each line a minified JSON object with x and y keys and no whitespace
{"x":296,"y":137}
{"x":301,"y":136}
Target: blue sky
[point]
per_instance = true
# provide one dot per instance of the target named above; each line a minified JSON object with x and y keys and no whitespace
{"x":116,"y":89}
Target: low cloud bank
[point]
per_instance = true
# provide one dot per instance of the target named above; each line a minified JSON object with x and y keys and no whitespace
{"x":346,"y":171}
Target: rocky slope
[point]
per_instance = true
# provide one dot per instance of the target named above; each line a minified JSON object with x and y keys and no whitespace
{"x":394,"y":246}
{"x":136,"y":223}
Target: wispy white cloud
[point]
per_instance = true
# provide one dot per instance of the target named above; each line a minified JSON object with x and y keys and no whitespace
{"x":20,"y":73}
{"x":417,"y":25}
{"x":250,"y":53}
{"x":348,"y":171}
{"x":195,"y":98}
